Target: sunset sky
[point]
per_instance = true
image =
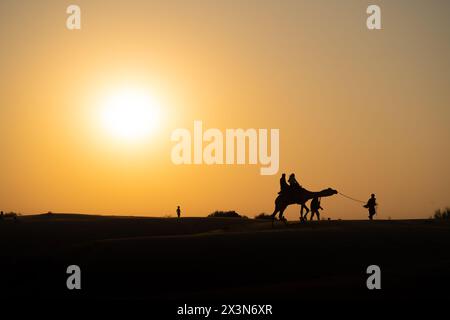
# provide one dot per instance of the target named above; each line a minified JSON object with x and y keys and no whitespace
{"x":360,"y":111}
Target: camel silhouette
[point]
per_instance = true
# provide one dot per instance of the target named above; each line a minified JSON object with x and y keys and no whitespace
{"x":298,"y":196}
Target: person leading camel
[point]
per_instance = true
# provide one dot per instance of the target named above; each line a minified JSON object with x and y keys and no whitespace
{"x":371,"y":205}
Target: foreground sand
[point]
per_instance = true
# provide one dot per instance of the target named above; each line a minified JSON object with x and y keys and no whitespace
{"x":212,"y":259}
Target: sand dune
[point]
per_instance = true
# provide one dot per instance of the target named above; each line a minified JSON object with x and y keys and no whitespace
{"x":224,"y":258}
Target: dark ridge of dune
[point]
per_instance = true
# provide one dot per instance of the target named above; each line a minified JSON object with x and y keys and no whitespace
{"x":38,"y":234}
{"x":221,"y":258}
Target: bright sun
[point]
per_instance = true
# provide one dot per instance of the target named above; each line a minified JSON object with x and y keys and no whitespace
{"x":130,"y":114}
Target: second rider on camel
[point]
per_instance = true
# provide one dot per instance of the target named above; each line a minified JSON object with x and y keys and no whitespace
{"x":293,"y":183}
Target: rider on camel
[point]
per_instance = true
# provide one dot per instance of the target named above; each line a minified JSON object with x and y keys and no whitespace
{"x":293,"y":183}
{"x":283,"y":184}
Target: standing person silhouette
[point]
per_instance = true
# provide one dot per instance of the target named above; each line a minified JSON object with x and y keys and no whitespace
{"x":371,"y":205}
{"x":178,"y":211}
{"x":315,"y":206}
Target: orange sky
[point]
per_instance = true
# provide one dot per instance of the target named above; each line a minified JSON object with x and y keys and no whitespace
{"x":360,"y":111}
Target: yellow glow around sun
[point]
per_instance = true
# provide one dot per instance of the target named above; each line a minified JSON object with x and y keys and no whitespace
{"x":130,"y":114}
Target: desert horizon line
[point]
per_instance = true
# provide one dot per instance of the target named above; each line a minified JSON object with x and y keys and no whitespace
{"x":170,"y":216}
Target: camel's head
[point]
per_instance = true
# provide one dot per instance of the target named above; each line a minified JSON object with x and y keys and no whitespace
{"x":329,"y":192}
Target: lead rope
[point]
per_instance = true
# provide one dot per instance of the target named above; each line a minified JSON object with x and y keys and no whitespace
{"x":348,"y":197}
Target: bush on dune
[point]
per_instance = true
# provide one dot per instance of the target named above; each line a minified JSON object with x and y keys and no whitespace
{"x":225,"y":214}
{"x":11,"y":215}
{"x":264,"y":216}
{"x":442,"y":214}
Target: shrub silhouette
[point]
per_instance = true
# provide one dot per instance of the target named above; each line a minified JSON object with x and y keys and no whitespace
{"x":225,"y":214}
{"x":263,"y":216}
{"x":442,"y":214}
{"x":10,"y":215}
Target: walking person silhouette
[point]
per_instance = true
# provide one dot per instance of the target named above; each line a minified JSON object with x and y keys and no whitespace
{"x":178,"y":211}
{"x":315,"y":206}
{"x":371,"y":205}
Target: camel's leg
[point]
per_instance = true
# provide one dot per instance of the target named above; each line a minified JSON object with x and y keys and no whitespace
{"x":281,"y":213}
{"x":302,"y":218}
{"x":312,"y":215}
{"x":277,"y":210}
{"x":318,"y":215}
{"x":274,"y":214}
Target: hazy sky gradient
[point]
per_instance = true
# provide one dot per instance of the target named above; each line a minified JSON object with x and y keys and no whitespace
{"x":360,"y":111}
